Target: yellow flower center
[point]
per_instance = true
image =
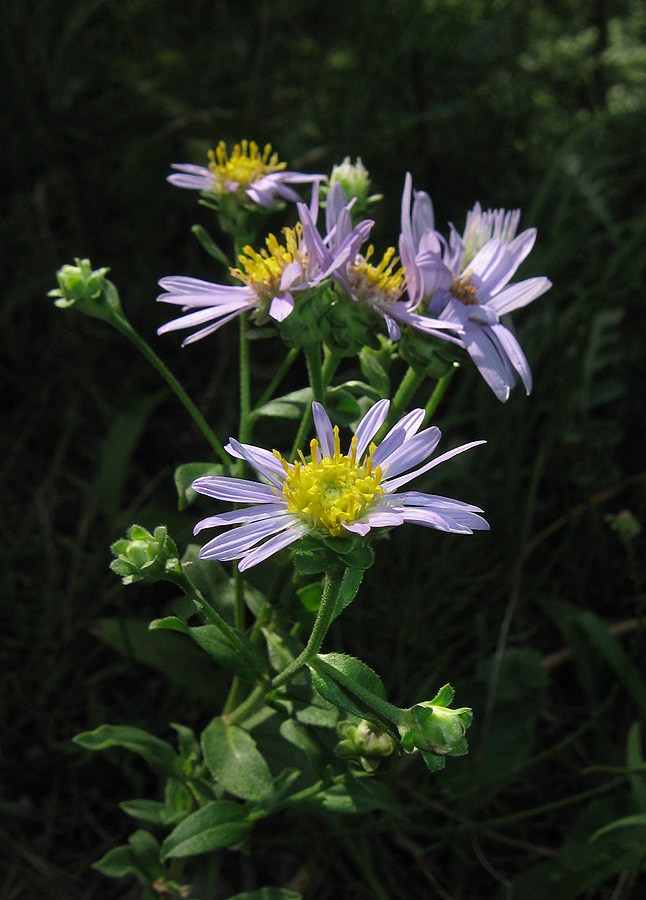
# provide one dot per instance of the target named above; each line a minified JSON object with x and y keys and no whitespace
{"x":245,"y":165}
{"x":464,"y":290}
{"x":263,"y":271}
{"x":334,"y":490}
{"x":381,"y":284}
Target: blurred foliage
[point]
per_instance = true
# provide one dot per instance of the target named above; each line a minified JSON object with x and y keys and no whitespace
{"x":539,"y":105}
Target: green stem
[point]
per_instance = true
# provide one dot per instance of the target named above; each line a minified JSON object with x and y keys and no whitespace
{"x":331,"y":588}
{"x":409,"y":384}
{"x":438,"y":392}
{"x":327,"y":370}
{"x":126,"y":328}
{"x":315,"y":371}
{"x":384,"y":710}
{"x":244,"y":430}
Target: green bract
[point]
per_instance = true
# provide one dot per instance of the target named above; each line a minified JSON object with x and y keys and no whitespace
{"x":143,"y":556}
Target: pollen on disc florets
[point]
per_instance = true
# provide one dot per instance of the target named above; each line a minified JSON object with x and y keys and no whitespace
{"x":331,"y":490}
{"x":381,"y":284}
{"x":464,"y":290}
{"x":263,"y":271}
{"x":245,"y":165}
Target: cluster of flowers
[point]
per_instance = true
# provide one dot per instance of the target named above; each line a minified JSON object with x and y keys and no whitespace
{"x":456,"y":290}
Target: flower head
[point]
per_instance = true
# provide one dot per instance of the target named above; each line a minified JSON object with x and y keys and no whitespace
{"x":246,"y":173}
{"x":467,"y":283}
{"x":269,"y":277}
{"x":379,"y":286}
{"x":331,"y":493}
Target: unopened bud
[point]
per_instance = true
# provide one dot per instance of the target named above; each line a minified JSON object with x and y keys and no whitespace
{"x":142,"y":556}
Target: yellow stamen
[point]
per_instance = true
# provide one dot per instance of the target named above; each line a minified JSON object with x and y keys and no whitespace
{"x":377,"y":284}
{"x":464,"y":290}
{"x":263,"y":271}
{"x":332,"y":490}
{"x":245,"y":165}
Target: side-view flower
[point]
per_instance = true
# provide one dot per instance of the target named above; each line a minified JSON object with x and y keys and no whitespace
{"x":333,"y":493}
{"x":466,"y":282}
{"x":252,"y":175}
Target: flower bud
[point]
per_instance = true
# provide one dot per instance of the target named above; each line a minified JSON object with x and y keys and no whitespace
{"x":86,"y":290}
{"x":347,"y":326}
{"x":354,"y":178}
{"x":142,"y":556}
{"x":436,"y":730}
{"x":364,"y":742}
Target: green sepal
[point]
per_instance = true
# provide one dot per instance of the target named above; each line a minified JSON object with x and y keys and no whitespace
{"x":219,"y":824}
{"x":310,"y":562}
{"x":187,"y":473}
{"x":159,"y":755}
{"x":235,"y":761}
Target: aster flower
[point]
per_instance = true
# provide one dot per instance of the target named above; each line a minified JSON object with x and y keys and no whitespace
{"x":269,"y":279}
{"x":333,"y":493}
{"x":247,"y":173}
{"x":469,"y":279}
{"x":379,"y":286}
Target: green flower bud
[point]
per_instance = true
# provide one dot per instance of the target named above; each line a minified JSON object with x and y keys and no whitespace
{"x":436,"y":730}
{"x":142,"y":556}
{"x":353,"y":178}
{"x":302,"y":327}
{"x":365,"y":743}
{"x":427,"y":354}
{"x":88,"y":291}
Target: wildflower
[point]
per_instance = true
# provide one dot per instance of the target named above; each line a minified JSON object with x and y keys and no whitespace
{"x":379,"y":287}
{"x":333,"y":493}
{"x":467,"y":284}
{"x":247,"y":173}
{"x":269,"y":277}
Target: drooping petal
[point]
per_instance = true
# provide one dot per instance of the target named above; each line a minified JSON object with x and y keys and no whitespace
{"x":491,"y":365}
{"x":509,"y":346}
{"x":281,"y":306}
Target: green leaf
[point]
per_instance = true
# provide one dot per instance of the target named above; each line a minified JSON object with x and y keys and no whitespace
{"x":352,"y":796}
{"x":341,"y":696}
{"x":639,"y":819}
{"x":159,"y":755}
{"x":187,"y":473}
{"x":310,"y":595}
{"x":348,"y":591}
{"x":210,"y":246}
{"x":342,"y":407}
{"x":219,"y":648}
{"x":283,"y":649}
{"x":291,"y":406}
{"x":185,"y":665}
{"x":117,"y":450}
{"x":209,"y":577}
{"x":219,"y":824}
{"x":235,"y":761}
{"x":152,"y":811}
{"x":118,"y":862}
{"x":374,"y":372}
{"x":634,"y":760}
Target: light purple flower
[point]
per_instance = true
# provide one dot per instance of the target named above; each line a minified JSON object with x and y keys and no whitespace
{"x":333,"y":493}
{"x":380,"y":286}
{"x":467,"y":283}
{"x":247,"y":172}
{"x":270,"y":278}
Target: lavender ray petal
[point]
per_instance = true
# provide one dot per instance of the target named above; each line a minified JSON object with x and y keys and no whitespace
{"x":370,"y":425}
{"x":257,"y":461}
{"x":273,"y":545}
{"x":509,"y":346}
{"x":236,"y":490}
{"x":412,"y":452}
{"x":236,"y":516}
{"x":518,"y":295}
{"x":233,"y":543}
{"x":391,"y":486}
{"x":324,"y":429}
